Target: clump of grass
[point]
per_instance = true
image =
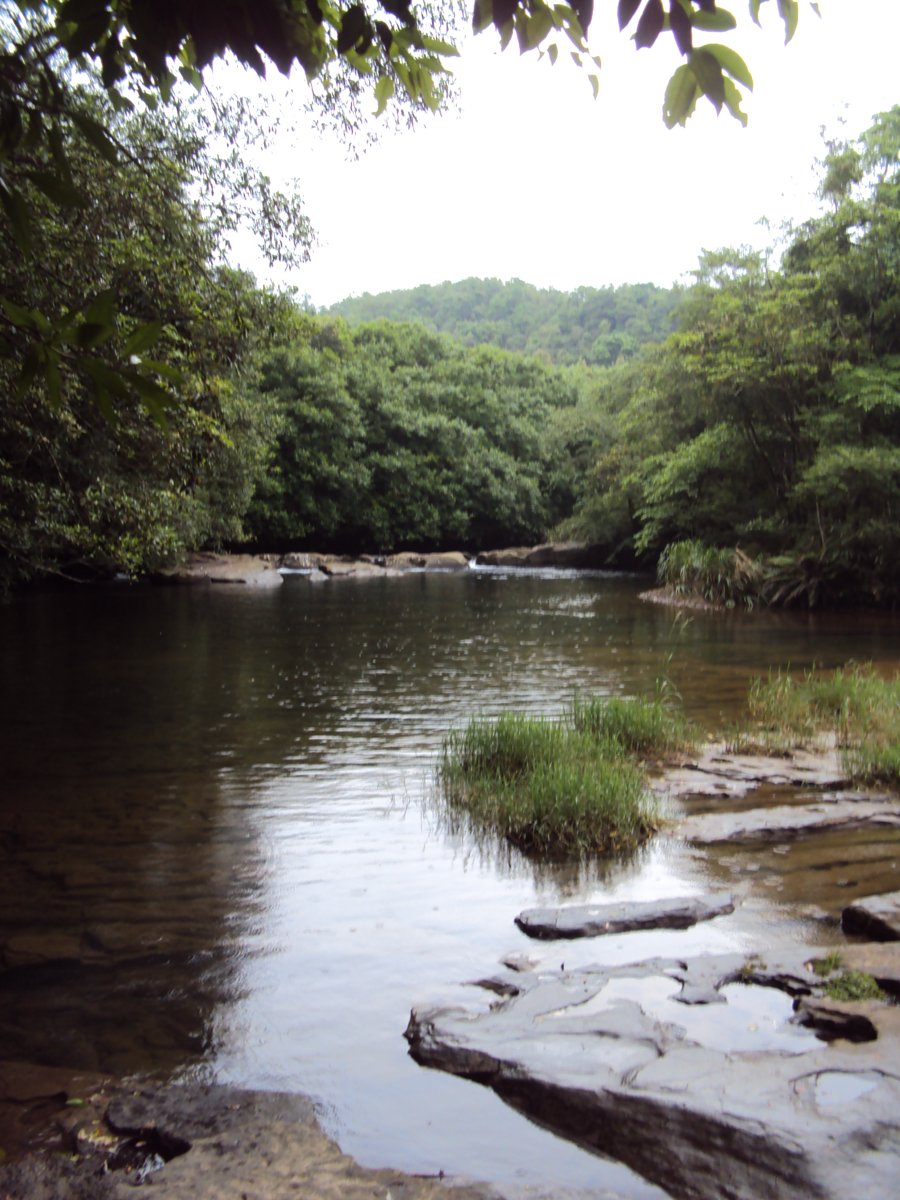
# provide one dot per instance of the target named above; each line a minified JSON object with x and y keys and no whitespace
{"x":719,"y":576}
{"x":854,"y":985}
{"x":636,"y":726}
{"x":859,"y":707}
{"x":828,"y":964}
{"x":545,"y":786}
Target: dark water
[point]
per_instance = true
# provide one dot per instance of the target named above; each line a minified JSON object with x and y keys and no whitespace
{"x":218,"y":854}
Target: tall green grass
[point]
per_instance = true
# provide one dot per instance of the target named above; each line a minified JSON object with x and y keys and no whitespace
{"x":570,"y":785}
{"x":641,"y":727}
{"x":860,"y":707}
{"x":715,"y":574}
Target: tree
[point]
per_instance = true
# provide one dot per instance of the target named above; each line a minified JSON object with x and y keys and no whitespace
{"x":88,"y":481}
{"x":771,"y":419}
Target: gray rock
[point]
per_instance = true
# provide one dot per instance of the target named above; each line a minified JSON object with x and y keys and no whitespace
{"x":788,"y":820}
{"x":595,"y":920}
{"x":573,"y":555}
{"x":252,"y":570}
{"x":876,"y":917}
{"x":704,"y":1101}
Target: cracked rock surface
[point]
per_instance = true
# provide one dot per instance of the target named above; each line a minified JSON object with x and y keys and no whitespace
{"x":696,"y":1073}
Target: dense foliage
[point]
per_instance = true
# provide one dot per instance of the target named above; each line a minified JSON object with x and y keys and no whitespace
{"x":771,"y":419}
{"x":390,"y":437}
{"x":98,"y":468}
{"x":597,"y":326}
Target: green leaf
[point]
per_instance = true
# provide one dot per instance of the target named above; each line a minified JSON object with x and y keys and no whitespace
{"x":102,"y":309}
{"x":708,"y":73}
{"x":154,"y":398}
{"x":790,"y":14}
{"x":534,"y":28}
{"x":482,"y":15}
{"x":754,"y":10}
{"x":553,"y":52}
{"x":93,"y":333}
{"x":733,"y":100}
{"x":681,"y":97}
{"x":384,"y":90}
{"x":27,"y":318}
{"x":143,"y":337}
{"x":17,"y":214}
{"x":626,"y":10}
{"x":731,"y":62}
{"x":164,"y":369}
{"x":58,"y":188}
{"x":595,"y":85}
{"x":716,"y":21}
{"x":93,"y":132}
{"x":105,"y":377}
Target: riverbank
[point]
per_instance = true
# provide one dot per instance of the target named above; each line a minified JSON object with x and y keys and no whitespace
{"x":101,"y":1137}
{"x":266,"y":570}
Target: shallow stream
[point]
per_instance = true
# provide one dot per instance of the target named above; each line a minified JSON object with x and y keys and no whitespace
{"x":219,"y":855}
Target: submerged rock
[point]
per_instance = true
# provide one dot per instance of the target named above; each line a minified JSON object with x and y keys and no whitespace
{"x":700,"y":1098}
{"x":595,"y":920}
{"x":876,"y":917}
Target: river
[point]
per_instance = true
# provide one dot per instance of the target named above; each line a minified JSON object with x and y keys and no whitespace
{"x":220,"y":859}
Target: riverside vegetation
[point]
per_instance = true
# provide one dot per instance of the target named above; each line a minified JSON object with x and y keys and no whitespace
{"x":156,"y":401}
{"x":577,"y":784}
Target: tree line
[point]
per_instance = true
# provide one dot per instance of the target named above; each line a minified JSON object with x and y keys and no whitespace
{"x":597,"y":326}
{"x":152,"y":400}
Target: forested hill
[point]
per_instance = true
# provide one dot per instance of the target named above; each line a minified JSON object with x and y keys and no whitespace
{"x":592,"y":325}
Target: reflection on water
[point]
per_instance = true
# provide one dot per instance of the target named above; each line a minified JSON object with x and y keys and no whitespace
{"x":217,"y":854}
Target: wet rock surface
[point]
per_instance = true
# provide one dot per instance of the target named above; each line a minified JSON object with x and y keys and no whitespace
{"x":783,"y":822}
{"x":596,"y":920}
{"x":662,"y":1065}
{"x":202,"y":1142}
{"x":875,"y":917}
{"x":253,"y":570}
{"x":569,"y":555}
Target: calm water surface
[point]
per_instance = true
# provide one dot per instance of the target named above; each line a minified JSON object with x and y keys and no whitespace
{"x":218,"y":852}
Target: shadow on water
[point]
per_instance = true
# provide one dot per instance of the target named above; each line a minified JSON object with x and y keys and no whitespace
{"x":217,"y":858}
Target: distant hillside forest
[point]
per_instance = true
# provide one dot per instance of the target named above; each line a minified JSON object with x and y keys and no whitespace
{"x":596,"y":326}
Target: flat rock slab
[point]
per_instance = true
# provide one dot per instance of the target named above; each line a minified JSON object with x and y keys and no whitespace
{"x":595,"y":920}
{"x":876,"y":917}
{"x":206,"y":1143}
{"x":716,"y":771}
{"x":786,"y":821}
{"x":666,"y":1066}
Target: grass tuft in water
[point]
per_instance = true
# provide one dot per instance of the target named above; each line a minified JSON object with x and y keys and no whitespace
{"x":854,"y":985}
{"x":641,"y":727}
{"x":545,"y":786}
{"x":861,"y":708}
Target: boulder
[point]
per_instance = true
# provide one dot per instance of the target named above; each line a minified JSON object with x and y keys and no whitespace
{"x":446,"y":560}
{"x":515,"y":557}
{"x":596,"y":920}
{"x":575,"y":555}
{"x":252,"y":570}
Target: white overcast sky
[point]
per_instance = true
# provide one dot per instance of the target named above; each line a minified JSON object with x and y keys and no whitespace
{"x":531,"y":178}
